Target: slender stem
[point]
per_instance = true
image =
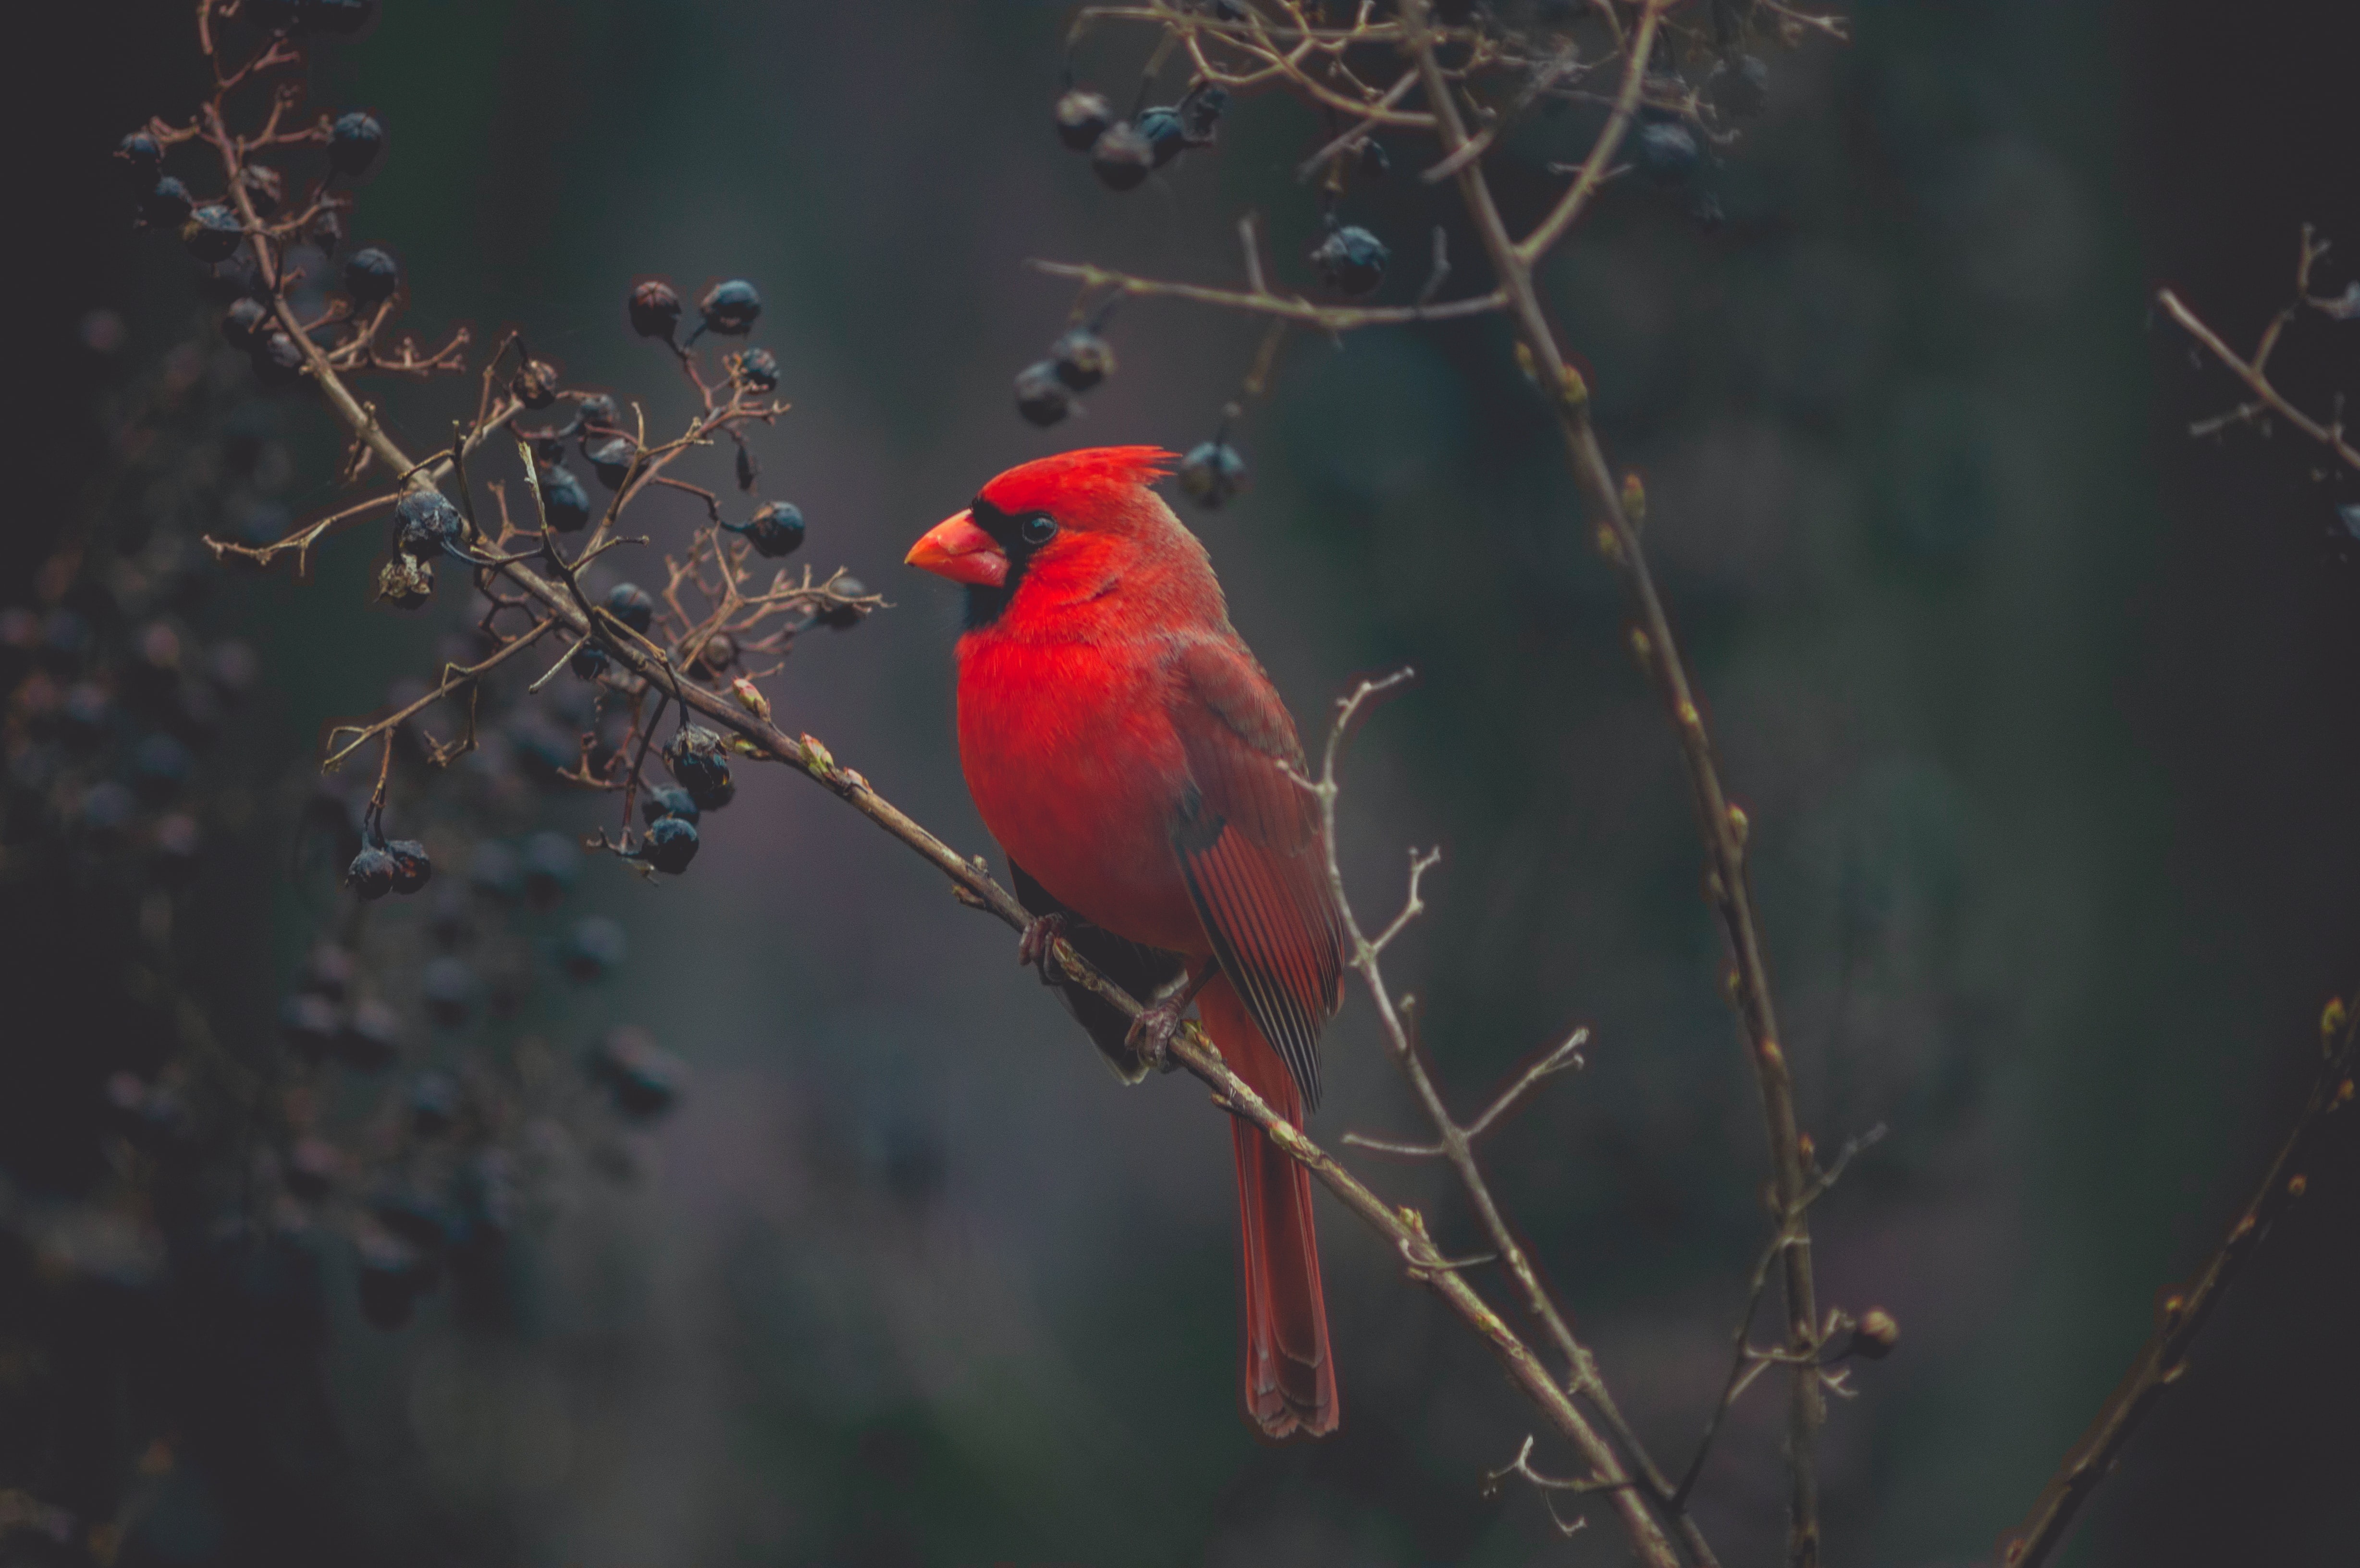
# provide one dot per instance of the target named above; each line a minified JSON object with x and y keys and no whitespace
{"x":2164,"y":1358}
{"x":1332,"y":318}
{"x":2251,"y":373}
{"x":1724,"y":845}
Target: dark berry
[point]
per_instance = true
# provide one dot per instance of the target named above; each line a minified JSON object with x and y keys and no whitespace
{"x":244,"y":320}
{"x":1082,"y":359}
{"x":643,"y":1078}
{"x":1166,"y":137}
{"x":598,"y":410}
{"x":142,"y":158}
{"x":593,"y":947}
{"x":1666,"y":153}
{"x":774,"y":530}
{"x":663,"y":800}
{"x":631,"y":605}
{"x":166,"y":205}
{"x":1041,"y":395}
{"x":746,"y":468}
{"x":1350,"y":260}
{"x":1200,"y":111}
{"x":412,"y":867}
{"x":1739,"y":89}
{"x":211,"y":234}
{"x":425,"y":524}
{"x":535,"y":383}
{"x":433,"y":1104}
{"x":371,"y":277}
{"x":1082,"y":118}
{"x":326,"y":231}
{"x":655,"y":309}
{"x":697,"y":760}
{"x":1122,"y":158}
{"x":843,"y":617}
{"x":372,"y":873}
{"x":730,"y":308}
{"x":1212,"y":474}
{"x":760,"y":368}
{"x":589,"y":663}
{"x":449,"y":986}
{"x":343,"y":17}
{"x":611,"y":460}
{"x":265,"y":190}
{"x":277,"y":359}
{"x":671,"y":845}
{"x":354,"y":143}
{"x":564,"y":505}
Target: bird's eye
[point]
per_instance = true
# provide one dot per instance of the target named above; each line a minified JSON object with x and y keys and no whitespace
{"x":1037,"y":529}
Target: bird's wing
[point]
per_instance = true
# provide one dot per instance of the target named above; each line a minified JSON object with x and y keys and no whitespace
{"x":1138,"y":969}
{"x":1249,"y":843}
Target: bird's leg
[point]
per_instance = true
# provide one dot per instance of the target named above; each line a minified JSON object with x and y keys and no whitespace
{"x":1151,"y":1032}
{"x":1041,"y":934}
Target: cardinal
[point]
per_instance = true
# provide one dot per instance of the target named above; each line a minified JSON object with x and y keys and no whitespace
{"x":1139,"y":770}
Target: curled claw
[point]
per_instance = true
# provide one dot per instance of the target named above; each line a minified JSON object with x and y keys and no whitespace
{"x":1151,"y":1031}
{"x":1041,"y":936}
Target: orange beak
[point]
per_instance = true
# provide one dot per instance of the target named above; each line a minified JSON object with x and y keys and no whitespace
{"x":955,"y":547}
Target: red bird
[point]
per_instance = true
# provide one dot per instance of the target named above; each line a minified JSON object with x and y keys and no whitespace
{"x":1131,"y":757}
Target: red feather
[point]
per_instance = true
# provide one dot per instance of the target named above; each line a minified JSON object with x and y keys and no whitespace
{"x":1134,"y":759}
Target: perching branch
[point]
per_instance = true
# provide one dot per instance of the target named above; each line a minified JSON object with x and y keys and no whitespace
{"x":2164,"y":1358}
{"x":2255,"y":372}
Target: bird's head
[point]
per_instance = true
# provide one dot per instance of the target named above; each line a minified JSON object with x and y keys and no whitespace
{"x":1062,"y":532}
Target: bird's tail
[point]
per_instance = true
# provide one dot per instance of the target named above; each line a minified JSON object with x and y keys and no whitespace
{"x":1289,"y":1374}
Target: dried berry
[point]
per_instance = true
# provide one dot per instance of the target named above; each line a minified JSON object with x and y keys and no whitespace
{"x":244,"y":320}
{"x":844,"y":616}
{"x":1122,"y":158}
{"x":564,"y":505}
{"x":371,"y":874}
{"x":1666,"y":153}
{"x":1212,"y":474}
{"x":371,"y":277}
{"x":535,"y":383}
{"x":760,"y":367}
{"x":630,"y":603}
{"x":211,"y":234}
{"x":1082,"y":359}
{"x":354,"y":142}
{"x":655,"y":309}
{"x":589,"y":663}
{"x":1082,"y":118}
{"x":412,"y":868}
{"x":730,"y":308}
{"x":776,"y":530}
{"x":1200,"y":112}
{"x":1042,"y":397}
{"x":598,"y":410}
{"x":716,"y":654}
{"x":611,"y":460}
{"x":1350,"y":260}
{"x":406,"y":583}
{"x":696,"y":760}
{"x":671,"y":845}
{"x":1875,"y":1334}
{"x":166,"y":205}
{"x":326,"y":231}
{"x":663,"y":800}
{"x":425,"y":524}
{"x":1166,"y":137}
{"x":277,"y":359}
{"x":142,"y":158}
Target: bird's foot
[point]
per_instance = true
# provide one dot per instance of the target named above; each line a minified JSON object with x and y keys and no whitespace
{"x":1040,"y":937}
{"x":1153,"y":1030}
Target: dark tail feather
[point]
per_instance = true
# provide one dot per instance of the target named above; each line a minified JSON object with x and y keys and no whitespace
{"x":1289,"y":1374}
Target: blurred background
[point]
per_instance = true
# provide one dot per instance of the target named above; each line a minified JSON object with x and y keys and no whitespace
{"x":2047,"y":718}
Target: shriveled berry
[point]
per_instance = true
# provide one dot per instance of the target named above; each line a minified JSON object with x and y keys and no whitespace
{"x":412,"y":867}
{"x":593,"y":947}
{"x":1042,"y":397}
{"x":534,"y":385}
{"x":1739,"y":89}
{"x":166,"y":205}
{"x":425,"y":524}
{"x":564,"y":505}
{"x":371,"y":277}
{"x":1212,"y":474}
{"x":406,"y":583}
{"x":644,"y":1079}
{"x":354,"y":142}
{"x":775,"y":529}
{"x":265,"y":187}
{"x":697,"y":760}
{"x":211,"y":234}
{"x":655,"y":309}
{"x":598,"y":410}
{"x":760,"y":367}
{"x":326,"y":231}
{"x":1082,"y":359}
{"x":1122,"y":158}
{"x":1166,"y":137}
{"x":1666,"y":153}
{"x":142,"y":157}
{"x":1350,"y":260}
{"x":277,"y":357}
{"x":663,"y":800}
{"x":611,"y":460}
{"x":1082,"y":118}
{"x":243,"y":321}
{"x":671,"y":845}
{"x":589,"y":663}
{"x":716,"y":654}
{"x":730,"y":308}
{"x":372,"y":873}
{"x":843,"y":617}
{"x":631,"y":605}
{"x":449,"y":988}
{"x":1200,"y":111}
